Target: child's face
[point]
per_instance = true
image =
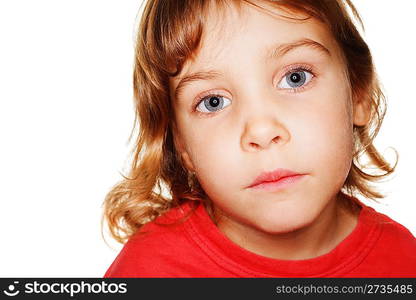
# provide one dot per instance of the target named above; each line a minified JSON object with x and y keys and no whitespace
{"x":254,"y":120}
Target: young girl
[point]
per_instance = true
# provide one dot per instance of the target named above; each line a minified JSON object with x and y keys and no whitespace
{"x":254,"y":114}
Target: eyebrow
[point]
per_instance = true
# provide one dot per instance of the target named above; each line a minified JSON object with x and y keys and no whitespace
{"x":275,"y":52}
{"x":201,"y":75}
{"x":283,"y":49}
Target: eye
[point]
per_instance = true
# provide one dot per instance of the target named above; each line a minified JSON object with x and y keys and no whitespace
{"x":211,"y":103}
{"x":295,"y":79}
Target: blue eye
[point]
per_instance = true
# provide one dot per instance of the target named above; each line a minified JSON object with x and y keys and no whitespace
{"x":295,"y":79}
{"x":212,"y":103}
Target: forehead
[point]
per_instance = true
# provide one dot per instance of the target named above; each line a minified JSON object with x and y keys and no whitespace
{"x":252,"y":29}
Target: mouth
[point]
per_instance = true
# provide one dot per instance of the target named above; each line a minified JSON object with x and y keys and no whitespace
{"x":276,"y":180}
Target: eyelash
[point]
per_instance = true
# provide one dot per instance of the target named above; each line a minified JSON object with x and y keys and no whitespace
{"x":201,"y":98}
{"x":288,"y":70}
{"x":295,"y":68}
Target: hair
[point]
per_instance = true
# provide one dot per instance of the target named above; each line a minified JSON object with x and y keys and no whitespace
{"x":169,"y":34}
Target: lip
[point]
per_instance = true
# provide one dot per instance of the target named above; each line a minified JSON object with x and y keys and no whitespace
{"x":276,"y":179}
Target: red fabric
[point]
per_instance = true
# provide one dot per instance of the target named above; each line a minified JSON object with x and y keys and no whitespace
{"x":377,"y":247}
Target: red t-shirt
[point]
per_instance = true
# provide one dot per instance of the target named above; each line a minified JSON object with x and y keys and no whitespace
{"x":377,"y":247}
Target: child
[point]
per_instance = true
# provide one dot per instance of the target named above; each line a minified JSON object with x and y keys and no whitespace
{"x":254,"y":115}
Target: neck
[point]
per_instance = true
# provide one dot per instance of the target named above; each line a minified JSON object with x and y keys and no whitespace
{"x":334,"y":224}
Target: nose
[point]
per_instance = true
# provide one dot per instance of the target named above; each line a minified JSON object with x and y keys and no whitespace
{"x":262,"y":131}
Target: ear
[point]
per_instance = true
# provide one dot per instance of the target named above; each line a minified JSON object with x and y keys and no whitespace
{"x":361,"y":111}
{"x":180,"y":148}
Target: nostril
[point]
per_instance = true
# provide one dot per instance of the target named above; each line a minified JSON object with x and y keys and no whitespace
{"x":254,"y":145}
{"x":275,"y":140}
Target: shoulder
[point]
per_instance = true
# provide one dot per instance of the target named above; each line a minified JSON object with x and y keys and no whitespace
{"x":393,"y":254}
{"x":394,"y":231}
{"x":156,"y":245}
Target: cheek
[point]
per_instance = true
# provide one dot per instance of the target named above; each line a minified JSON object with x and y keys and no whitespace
{"x":218,"y":162}
{"x":329,"y":139}
{"x":212,"y":151}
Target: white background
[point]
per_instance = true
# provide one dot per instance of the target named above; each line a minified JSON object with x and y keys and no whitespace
{"x":66,"y":113}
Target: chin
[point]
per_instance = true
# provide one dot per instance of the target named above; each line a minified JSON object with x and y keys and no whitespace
{"x":289,"y":221}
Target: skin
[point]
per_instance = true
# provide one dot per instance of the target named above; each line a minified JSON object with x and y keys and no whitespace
{"x":264,"y":125}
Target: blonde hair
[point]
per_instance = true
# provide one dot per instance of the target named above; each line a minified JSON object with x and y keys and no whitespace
{"x":169,"y":33}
